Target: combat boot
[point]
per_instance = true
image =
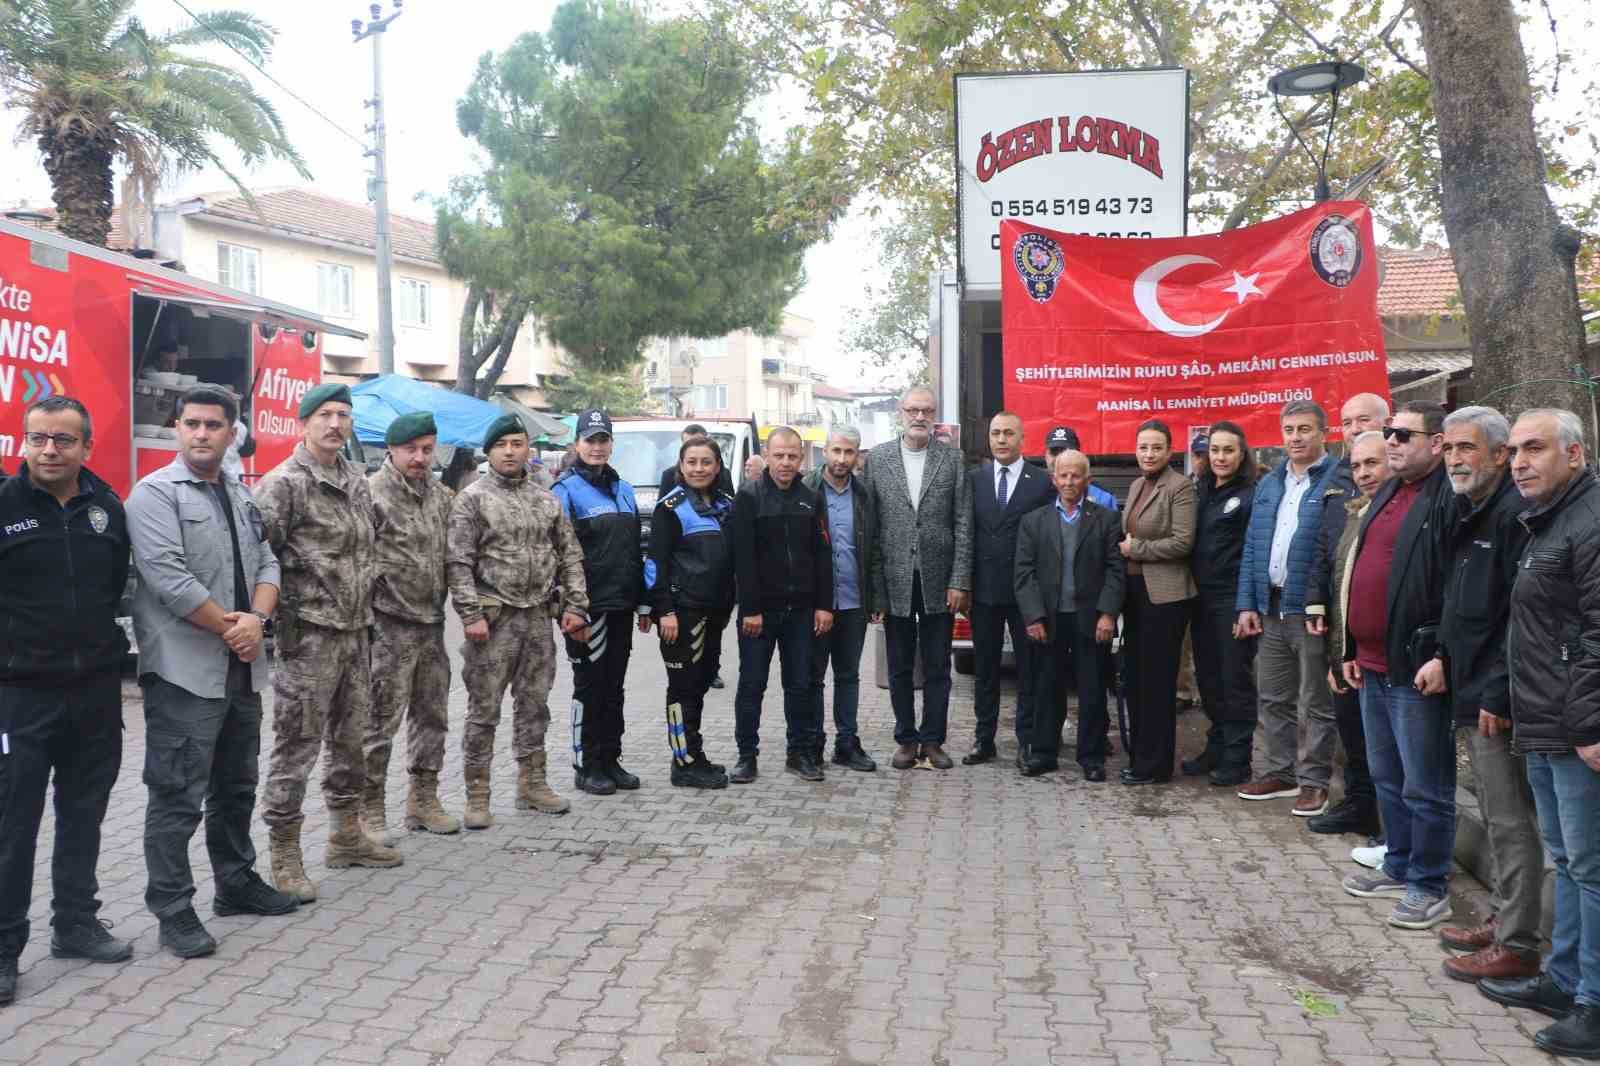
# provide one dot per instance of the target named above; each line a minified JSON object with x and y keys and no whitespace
{"x":348,"y":845}
{"x":374,"y":819}
{"x":288,"y":868}
{"x":423,"y":810}
{"x":478,"y":816}
{"x":533,"y":792}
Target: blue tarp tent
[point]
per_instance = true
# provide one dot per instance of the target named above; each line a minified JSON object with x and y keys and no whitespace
{"x":462,"y":420}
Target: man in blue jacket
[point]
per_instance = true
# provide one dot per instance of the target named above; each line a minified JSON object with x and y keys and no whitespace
{"x":1291,"y":665}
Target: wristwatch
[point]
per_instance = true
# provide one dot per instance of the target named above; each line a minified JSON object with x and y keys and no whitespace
{"x":265,"y":618}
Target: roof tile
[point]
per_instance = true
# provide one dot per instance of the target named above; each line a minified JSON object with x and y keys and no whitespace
{"x":1418,"y":282}
{"x":301,"y":212}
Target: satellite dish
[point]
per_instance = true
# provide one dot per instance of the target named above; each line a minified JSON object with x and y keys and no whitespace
{"x":688,"y":356}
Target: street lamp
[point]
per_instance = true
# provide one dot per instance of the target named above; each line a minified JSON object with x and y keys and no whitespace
{"x":1314,"y":79}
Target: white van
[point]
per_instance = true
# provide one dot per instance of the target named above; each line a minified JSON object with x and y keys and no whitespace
{"x":646,"y":446}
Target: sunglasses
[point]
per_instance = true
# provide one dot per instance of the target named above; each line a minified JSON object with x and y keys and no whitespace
{"x":1400,"y":434}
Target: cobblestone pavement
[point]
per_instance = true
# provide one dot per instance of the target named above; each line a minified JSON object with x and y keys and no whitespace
{"x":918,"y":917}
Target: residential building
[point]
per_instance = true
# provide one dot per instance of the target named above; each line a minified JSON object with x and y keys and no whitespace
{"x":737,"y":376}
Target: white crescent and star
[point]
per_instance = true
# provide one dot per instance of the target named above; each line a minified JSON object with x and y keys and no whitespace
{"x":1146,"y":296}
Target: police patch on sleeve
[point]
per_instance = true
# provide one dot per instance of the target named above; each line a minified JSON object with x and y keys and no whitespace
{"x":98,"y":519}
{"x":1231,"y":506}
{"x":1336,"y":251}
{"x":1039,"y":264}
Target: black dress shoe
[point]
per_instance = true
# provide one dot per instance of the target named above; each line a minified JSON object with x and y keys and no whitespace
{"x":1094,"y":773}
{"x":593,"y":780}
{"x":980,"y":754}
{"x":848,"y":753}
{"x":1535,"y":993}
{"x":619,"y":777}
{"x":1348,"y":816}
{"x":1128,"y":777}
{"x":1037,"y":765}
{"x":744,"y":771}
{"x":1230,"y":776}
{"x":1203,"y":763}
{"x":717,"y":682}
{"x":1575,"y":1036}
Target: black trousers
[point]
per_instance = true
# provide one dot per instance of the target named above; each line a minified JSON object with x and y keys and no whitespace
{"x":989,"y":622}
{"x":1071,"y":657}
{"x":1353,"y":735}
{"x":904,"y":636}
{"x":77,"y":733}
{"x":1154,"y":635}
{"x":691,"y":661}
{"x":1225,"y":671}
{"x":197,"y":752}
{"x":599,"y":669}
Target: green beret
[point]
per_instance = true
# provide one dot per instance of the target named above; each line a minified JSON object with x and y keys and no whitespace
{"x":328,"y":392}
{"x":503,"y":426}
{"x":409,"y":427}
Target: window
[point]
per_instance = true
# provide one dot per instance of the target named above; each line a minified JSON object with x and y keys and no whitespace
{"x":711,"y":397}
{"x":336,"y":290}
{"x":239,"y":268}
{"x":416,"y":303}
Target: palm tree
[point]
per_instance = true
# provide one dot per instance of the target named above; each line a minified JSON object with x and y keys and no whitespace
{"x":95,"y":86}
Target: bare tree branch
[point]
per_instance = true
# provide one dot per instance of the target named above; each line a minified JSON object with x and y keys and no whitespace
{"x":1387,"y":37}
{"x":1236,"y":216}
{"x":1158,"y":35}
{"x":1228,"y":84}
{"x":1305,"y":31}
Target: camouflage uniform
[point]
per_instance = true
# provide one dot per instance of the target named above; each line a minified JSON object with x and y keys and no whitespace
{"x":320,"y":524}
{"x":511,"y":558}
{"x":410,"y":667}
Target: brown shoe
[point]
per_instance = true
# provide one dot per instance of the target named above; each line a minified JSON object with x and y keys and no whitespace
{"x":905,"y":757}
{"x":1312,"y":802}
{"x":1496,"y":961}
{"x":1468,"y":938}
{"x":936,"y":757}
{"x":1268,"y":788}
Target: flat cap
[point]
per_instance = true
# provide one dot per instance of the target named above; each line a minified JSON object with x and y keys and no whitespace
{"x":409,"y":427}
{"x":503,"y":426}
{"x":328,"y":392}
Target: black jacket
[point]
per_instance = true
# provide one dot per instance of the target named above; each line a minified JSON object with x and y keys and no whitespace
{"x":864,"y":522}
{"x":1554,"y":643}
{"x":1099,"y":574}
{"x":1482,"y":547}
{"x":1222,"y":520}
{"x":994,"y":531}
{"x":1416,"y":575}
{"x":690,"y":564}
{"x":62,"y":575}
{"x":605,"y":516}
{"x":780,"y":548}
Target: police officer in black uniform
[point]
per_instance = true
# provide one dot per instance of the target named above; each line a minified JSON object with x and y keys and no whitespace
{"x":604,"y":514}
{"x":63,"y":564}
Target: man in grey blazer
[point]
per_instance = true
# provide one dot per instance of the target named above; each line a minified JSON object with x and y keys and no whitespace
{"x":922,"y":571}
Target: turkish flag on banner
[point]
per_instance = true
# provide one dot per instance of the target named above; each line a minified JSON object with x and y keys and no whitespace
{"x":1101,"y":334}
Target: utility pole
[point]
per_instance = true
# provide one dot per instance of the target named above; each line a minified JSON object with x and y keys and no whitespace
{"x":378,"y":187}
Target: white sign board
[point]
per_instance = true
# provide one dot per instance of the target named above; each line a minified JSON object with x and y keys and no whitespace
{"x":1103,"y":153}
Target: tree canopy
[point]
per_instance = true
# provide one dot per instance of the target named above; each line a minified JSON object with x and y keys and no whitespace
{"x":625,"y":193}
{"x":96,"y":87}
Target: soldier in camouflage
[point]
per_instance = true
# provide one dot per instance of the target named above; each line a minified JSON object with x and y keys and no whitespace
{"x":319,"y":519}
{"x":511,"y":559}
{"x":410,"y":668}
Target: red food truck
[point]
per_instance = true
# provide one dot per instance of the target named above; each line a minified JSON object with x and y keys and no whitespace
{"x":89,"y":323}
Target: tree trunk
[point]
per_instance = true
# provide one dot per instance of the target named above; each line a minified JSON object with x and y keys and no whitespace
{"x":79,"y":167}
{"x":1514,"y":258}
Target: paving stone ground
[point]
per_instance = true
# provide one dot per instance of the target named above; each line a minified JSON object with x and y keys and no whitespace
{"x":919,"y":917}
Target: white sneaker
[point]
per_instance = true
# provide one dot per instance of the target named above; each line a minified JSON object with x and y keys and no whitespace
{"x":1371,"y":858}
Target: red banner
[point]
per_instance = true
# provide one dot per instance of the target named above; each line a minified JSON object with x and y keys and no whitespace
{"x":1102,"y":334}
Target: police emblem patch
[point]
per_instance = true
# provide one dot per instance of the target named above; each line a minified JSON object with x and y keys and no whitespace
{"x":1231,"y":506}
{"x":1336,"y":251}
{"x":98,"y":519}
{"x":1039,"y":264}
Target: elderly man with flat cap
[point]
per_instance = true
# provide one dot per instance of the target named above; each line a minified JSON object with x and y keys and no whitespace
{"x":319,"y":517}
{"x":511,"y":556}
{"x":410,"y":667}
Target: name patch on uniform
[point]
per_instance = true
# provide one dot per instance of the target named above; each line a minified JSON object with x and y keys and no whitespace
{"x":22,"y":526}
{"x":98,"y":519}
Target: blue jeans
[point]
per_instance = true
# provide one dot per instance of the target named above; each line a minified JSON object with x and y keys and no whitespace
{"x":789,"y":633}
{"x":1411,"y":751}
{"x":842,"y":645}
{"x":1567,"y":795}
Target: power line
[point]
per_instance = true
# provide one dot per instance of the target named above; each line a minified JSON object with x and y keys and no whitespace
{"x":296,"y":97}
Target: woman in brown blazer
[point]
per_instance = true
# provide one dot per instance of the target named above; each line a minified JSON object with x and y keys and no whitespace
{"x":1158,"y":524}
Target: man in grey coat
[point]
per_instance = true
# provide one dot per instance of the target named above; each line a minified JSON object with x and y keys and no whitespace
{"x":922,"y":571}
{"x":207,"y":582}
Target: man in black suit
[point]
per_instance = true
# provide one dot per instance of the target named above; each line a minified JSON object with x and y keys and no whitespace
{"x":1069,"y":585}
{"x":1002,"y":491}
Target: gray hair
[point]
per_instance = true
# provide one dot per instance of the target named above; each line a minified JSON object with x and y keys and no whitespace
{"x":849,"y":433}
{"x":1305,"y":407}
{"x":1569,"y":427}
{"x":1366,"y":434}
{"x":913,"y":390}
{"x":1371,"y":397}
{"x":1491,"y":423}
{"x":1071,"y":455}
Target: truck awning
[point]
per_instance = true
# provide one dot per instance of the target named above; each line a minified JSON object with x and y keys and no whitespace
{"x":250,"y":312}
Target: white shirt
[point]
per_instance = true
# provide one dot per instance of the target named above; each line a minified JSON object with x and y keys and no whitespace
{"x":1014,"y":471}
{"x":230,"y":459}
{"x":1294,"y":490}
{"x":915,"y":463}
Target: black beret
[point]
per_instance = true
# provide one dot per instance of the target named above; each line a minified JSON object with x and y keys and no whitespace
{"x":503,"y":426}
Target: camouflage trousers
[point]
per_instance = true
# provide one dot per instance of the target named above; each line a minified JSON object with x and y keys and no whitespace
{"x":320,"y":691}
{"x":410,"y":680}
{"x":520,"y":654}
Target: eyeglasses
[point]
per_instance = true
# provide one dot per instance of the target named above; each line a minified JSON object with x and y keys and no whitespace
{"x":62,"y":441}
{"x":915,"y":411}
{"x":1400,"y":434}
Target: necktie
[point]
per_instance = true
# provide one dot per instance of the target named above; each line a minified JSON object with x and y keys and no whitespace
{"x":1000,"y":493}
